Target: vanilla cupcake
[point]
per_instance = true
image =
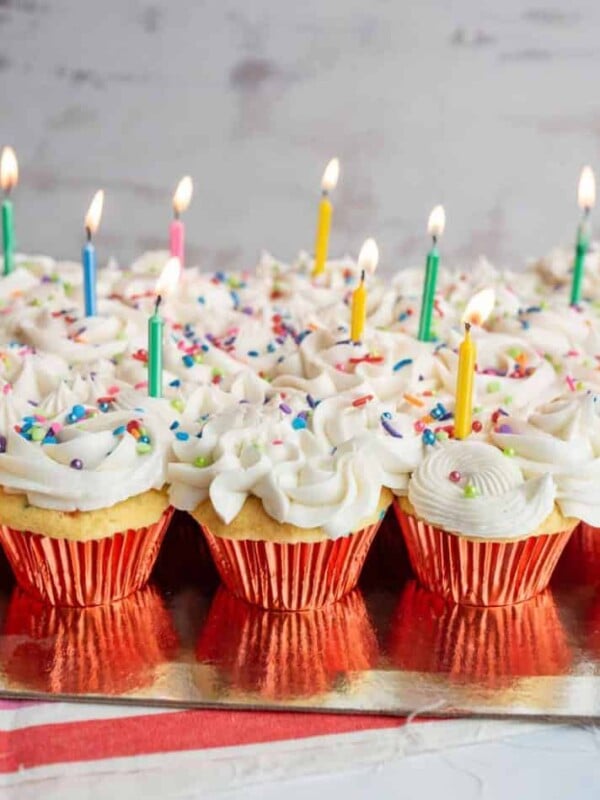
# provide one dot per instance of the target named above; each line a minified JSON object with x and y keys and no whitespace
{"x":477,"y":530}
{"x":288,"y":521}
{"x":83,"y":509}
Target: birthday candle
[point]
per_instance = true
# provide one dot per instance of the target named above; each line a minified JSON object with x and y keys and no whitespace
{"x":9,"y":176}
{"x":181,"y":200}
{"x":88,"y":257}
{"x":367,"y":262}
{"x":477,"y":311}
{"x":328,"y":184}
{"x":586,"y":199}
{"x":166,"y":282}
{"x":435,"y":227}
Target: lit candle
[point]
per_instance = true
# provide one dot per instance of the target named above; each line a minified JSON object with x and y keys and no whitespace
{"x":435,"y":228}
{"x":586,"y":199}
{"x":477,"y":311}
{"x":168,"y":279}
{"x":88,"y":257}
{"x":9,"y":175}
{"x":328,"y":184}
{"x":181,"y":201}
{"x":367,"y":262}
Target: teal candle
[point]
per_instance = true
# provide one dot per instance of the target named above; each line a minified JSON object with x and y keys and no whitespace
{"x":429,"y":287}
{"x":155,"y":345}
{"x":581,"y":247}
{"x":586,"y":199}
{"x":435,"y":227}
{"x":8,"y":236}
{"x":9,"y":175}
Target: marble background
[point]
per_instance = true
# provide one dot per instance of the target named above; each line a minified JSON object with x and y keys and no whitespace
{"x":490,"y":108}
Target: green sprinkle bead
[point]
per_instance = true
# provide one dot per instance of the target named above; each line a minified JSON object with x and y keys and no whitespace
{"x":471,"y":491}
{"x":143,"y":448}
{"x":37,"y":434}
{"x":202,"y":461}
{"x":493,"y":387}
{"x":509,"y":451}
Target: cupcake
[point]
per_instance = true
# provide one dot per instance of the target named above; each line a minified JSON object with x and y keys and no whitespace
{"x":562,"y":438}
{"x":477,"y":531}
{"x":288,"y":520}
{"x":83,"y":510}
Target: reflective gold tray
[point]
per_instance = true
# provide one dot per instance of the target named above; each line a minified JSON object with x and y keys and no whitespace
{"x":390,"y":647}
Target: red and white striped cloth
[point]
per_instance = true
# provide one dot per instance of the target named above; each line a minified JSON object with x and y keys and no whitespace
{"x":63,"y":750}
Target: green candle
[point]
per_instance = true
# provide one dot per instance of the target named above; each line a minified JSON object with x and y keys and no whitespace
{"x":9,"y":175}
{"x":581,"y":247}
{"x":429,"y":286}
{"x":155,"y":345}
{"x":8,"y":236}
{"x":437,"y":221}
{"x":586,"y":197}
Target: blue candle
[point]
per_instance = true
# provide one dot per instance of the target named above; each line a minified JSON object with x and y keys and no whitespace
{"x":88,"y":256}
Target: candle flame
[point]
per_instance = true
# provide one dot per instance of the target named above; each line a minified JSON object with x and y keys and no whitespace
{"x":183,"y":195}
{"x":9,"y":169}
{"x":331,"y":175}
{"x":169,"y":277}
{"x":94,"y":214}
{"x":368,"y":258}
{"x":437,"y":221}
{"x":479,"y":307}
{"x":586,"y":192}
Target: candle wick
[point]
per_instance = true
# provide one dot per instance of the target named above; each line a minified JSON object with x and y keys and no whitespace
{"x":586,"y":211}
{"x":467,"y":326}
{"x":434,"y":238}
{"x":175,"y":213}
{"x":324,"y":192}
{"x":157,"y":303}
{"x":88,"y":233}
{"x":362,"y":276}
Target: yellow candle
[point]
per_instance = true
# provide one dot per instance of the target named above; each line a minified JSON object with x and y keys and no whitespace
{"x":367,"y":262}
{"x":359,"y":310}
{"x":463,"y":410}
{"x":328,"y":183}
{"x":323,"y":228}
{"x":478,"y":309}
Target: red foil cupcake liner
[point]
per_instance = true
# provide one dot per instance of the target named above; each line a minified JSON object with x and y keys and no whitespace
{"x":110,"y":649}
{"x":480,"y":573}
{"x":281,"y":655}
{"x":490,"y":646}
{"x":580,"y":563}
{"x":291,"y":577}
{"x":69,"y":573}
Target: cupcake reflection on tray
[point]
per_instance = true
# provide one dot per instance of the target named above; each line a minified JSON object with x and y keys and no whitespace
{"x":491,"y":646}
{"x":282,"y":655}
{"x":111,"y":650}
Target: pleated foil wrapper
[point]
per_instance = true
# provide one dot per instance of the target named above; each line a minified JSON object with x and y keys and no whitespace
{"x":291,"y":577}
{"x":70,"y":573}
{"x":580,"y":563}
{"x":282,"y":656}
{"x":476,"y":572}
{"x":488,"y":646}
{"x":111,"y":649}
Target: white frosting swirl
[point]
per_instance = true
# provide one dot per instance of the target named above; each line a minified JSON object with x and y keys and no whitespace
{"x":108,"y":468}
{"x":504,"y":505}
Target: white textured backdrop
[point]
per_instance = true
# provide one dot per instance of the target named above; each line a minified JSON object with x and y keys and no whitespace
{"x":490,"y":108}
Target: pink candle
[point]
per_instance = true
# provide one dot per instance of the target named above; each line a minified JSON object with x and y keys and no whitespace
{"x":181,"y":200}
{"x":177,"y":239}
